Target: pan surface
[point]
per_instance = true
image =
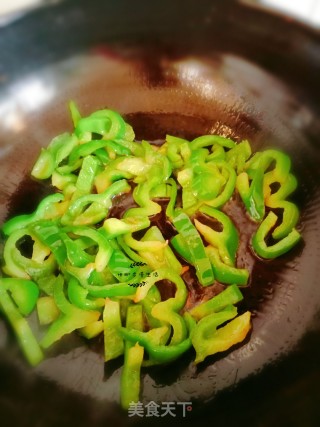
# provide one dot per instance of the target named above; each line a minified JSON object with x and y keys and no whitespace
{"x":186,"y":68}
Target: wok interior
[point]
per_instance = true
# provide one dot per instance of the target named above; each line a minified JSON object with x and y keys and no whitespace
{"x":185,"y":94}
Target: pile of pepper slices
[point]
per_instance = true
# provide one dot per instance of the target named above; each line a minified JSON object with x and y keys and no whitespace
{"x":83,"y":270}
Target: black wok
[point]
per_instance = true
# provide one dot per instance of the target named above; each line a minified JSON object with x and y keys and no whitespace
{"x":187,"y":68}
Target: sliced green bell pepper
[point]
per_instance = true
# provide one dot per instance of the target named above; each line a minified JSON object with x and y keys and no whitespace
{"x":70,"y":319}
{"x":78,"y":212}
{"x":133,"y":357}
{"x":45,"y":210}
{"x":20,"y":325}
{"x":107,"y":123}
{"x":277,"y":249}
{"x":18,"y":265}
{"x":225,"y":273}
{"x":230,"y":296}
{"x":50,"y":158}
{"x":226,"y":241}
{"x":47,"y":310}
{"x":113,"y":341}
{"x":193,"y":240}
{"x":208,"y":340}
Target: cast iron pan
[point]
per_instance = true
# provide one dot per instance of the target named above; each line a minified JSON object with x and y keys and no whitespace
{"x":186,"y":68}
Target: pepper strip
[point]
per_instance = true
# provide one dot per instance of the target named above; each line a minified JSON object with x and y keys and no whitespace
{"x":45,"y":210}
{"x":277,"y":249}
{"x":238,"y":155}
{"x":58,"y":149}
{"x":148,"y":302}
{"x":282,"y":166}
{"x":252,"y":194}
{"x":159,"y":353}
{"x":138,"y":245}
{"x":63,"y":181}
{"x":141,"y":195}
{"x":224,"y":273}
{"x":113,"y":341}
{"x":120,"y":265}
{"x":107,"y":123}
{"x":47,"y":310}
{"x":75,"y":113}
{"x":287,"y":186}
{"x":201,"y":181}
{"x":134,"y":147}
{"x":105,"y":250}
{"x":75,"y":254}
{"x":167,"y":311}
{"x":115,"y":227}
{"x":162,"y":258}
{"x":133,"y":357}
{"x":185,"y":179}
{"x":276,"y":200}
{"x":79,"y":214}
{"x":78,"y":296}
{"x":92,"y":330}
{"x":49,"y":233}
{"x":22,"y":330}
{"x":206,"y":140}
{"x":192,"y":238}
{"x":85,"y":180}
{"x":63,"y":247}
{"x":180,"y":246}
{"x":120,"y":289}
{"x":71,"y":317}
{"x":226,"y":241}
{"x":230,"y":176}
{"x":230,"y":296}
{"x":110,"y":174}
{"x":173,"y":191}
{"x":172,"y":149}
{"x":91,"y":147}
{"x":17,"y":265}
{"x":24,"y":293}
{"x":290,"y":217}
{"x":208,"y":340}
{"x":127,"y":249}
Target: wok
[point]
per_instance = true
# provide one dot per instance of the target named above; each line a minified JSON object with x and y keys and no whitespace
{"x":185,"y":68}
